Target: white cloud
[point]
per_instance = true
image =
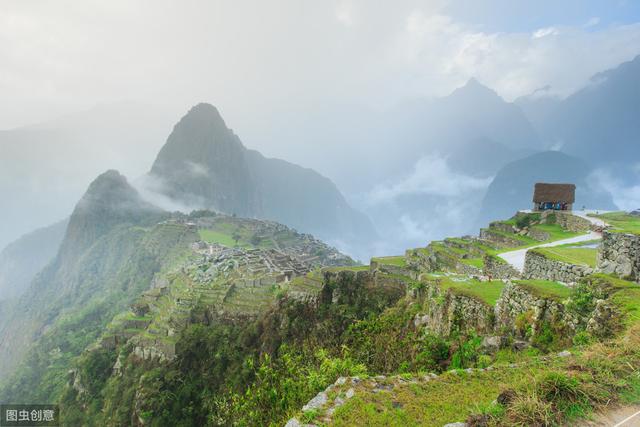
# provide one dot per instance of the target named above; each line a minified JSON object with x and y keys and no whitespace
{"x":592,"y":22}
{"x":344,"y":13}
{"x":67,"y":55}
{"x":544,"y":32}
{"x":625,"y":196}
{"x":431,"y":176}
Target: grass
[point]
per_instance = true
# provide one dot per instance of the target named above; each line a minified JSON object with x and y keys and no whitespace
{"x":546,"y":289}
{"x":622,"y":222}
{"x":487,"y":292}
{"x":474,"y":262}
{"x":626,"y":295}
{"x":447,"y":399}
{"x":551,"y":391}
{"x":555,"y":233}
{"x":398,"y":261}
{"x":570,"y":254}
{"x":213,"y":236}
{"x":347,"y":268}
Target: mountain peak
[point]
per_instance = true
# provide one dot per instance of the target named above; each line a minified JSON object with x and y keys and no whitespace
{"x":110,"y":200}
{"x":108,"y":181}
{"x":203,"y":115}
{"x":473,"y":88}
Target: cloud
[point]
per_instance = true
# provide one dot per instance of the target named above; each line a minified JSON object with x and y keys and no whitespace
{"x":431,"y":176}
{"x":197,"y":169}
{"x":592,"y":22}
{"x":626,"y":196}
{"x":68,"y":55}
{"x":544,"y":32}
{"x":431,"y":202}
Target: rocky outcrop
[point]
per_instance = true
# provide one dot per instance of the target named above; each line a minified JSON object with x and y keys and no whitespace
{"x":522,"y":313}
{"x":604,"y":320}
{"x":361,"y":289}
{"x":496,"y":268}
{"x":446,"y":312}
{"x":538,"y":266}
{"x":619,"y":254}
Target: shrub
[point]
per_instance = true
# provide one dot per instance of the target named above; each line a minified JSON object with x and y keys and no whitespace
{"x":467,"y":354}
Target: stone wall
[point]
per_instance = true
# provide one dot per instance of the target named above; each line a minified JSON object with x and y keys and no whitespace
{"x":389,"y":268}
{"x":567,"y":220}
{"x":501,"y":240}
{"x":499,"y":269}
{"x":538,"y":235}
{"x":502,"y":226}
{"x":420,"y":261}
{"x":516,"y":301}
{"x":467,"y":269}
{"x":537,"y":266}
{"x":362,"y":289}
{"x":445,"y":312}
{"x":619,"y":254}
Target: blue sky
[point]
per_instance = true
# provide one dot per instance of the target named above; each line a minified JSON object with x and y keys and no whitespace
{"x":520,"y":15}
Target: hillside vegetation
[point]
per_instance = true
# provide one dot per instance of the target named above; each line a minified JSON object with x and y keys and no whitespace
{"x":246,"y":322}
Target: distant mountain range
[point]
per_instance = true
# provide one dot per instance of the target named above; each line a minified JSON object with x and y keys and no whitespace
{"x":600,"y":123}
{"x":23,"y":259}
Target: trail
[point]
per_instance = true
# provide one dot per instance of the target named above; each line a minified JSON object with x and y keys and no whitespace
{"x":516,"y":258}
{"x":626,"y":416}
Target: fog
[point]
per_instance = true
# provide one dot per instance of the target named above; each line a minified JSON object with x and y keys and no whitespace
{"x":322,"y":84}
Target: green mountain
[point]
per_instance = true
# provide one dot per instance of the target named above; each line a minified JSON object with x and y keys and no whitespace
{"x":204,"y":165}
{"x":21,"y":260}
{"x":118,"y":249}
{"x":106,"y":257}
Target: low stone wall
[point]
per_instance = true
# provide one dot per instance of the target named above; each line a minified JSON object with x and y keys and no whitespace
{"x":501,"y":226}
{"x":516,"y":301}
{"x":620,"y":254}
{"x":420,"y":261}
{"x":362,"y":289}
{"x":499,"y":269}
{"x":568,"y":221}
{"x":467,"y":269}
{"x":538,"y":235}
{"x":389,"y":268}
{"x":537,"y":266}
{"x":498,"y":239}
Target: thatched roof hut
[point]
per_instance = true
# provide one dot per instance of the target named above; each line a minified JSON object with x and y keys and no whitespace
{"x":554,"y":196}
{"x":565,"y":193}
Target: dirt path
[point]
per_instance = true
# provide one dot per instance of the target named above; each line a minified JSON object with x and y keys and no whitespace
{"x":516,"y":258}
{"x":626,"y":416}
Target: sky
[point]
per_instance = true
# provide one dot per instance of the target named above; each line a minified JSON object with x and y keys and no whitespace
{"x":258,"y":60}
{"x":292,"y":78}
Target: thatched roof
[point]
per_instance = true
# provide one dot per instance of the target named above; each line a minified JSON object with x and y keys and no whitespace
{"x":565,"y":193}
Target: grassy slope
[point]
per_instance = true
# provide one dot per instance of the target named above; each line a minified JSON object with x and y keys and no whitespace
{"x":546,"y":289}
{"x":622,"y":222}
{"x":552,"y":388}
{"x":571,"y":254}
{"x":398,"y":261}
{"x":487,"y":292}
